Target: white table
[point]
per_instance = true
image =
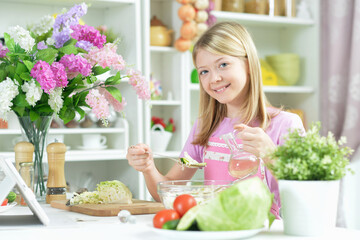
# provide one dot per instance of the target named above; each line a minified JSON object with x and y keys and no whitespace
{"x":70,"y":225}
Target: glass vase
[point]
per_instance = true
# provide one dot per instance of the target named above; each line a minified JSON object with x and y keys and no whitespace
{"x":35,"y":132}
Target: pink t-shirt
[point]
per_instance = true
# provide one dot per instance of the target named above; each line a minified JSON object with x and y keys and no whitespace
{"x":278,"y":128}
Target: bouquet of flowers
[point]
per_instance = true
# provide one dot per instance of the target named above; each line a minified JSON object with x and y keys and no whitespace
{"x":53,"y":67}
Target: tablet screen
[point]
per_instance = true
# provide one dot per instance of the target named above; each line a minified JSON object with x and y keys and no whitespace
{"x":12,"y":178}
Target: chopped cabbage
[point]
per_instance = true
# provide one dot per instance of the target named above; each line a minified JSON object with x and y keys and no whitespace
{"x":114,"y":192}
{"x":189,"y":161}
{"x":106,"y":192}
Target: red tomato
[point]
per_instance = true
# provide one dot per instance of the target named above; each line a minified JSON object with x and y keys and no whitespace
{"x":5,"y":202}
{"x":164,"y":216}
{"x":183,"y":203}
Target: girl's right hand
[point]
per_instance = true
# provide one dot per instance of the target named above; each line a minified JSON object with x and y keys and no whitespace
{"x":140,"y":158}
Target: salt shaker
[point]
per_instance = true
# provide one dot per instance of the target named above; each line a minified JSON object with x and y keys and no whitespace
{"x":24,"y":152}
{"x":27,"y":173}
{"x":56,"y":184}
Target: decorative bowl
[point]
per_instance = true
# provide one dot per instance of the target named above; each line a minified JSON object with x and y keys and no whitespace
{"x":201,"y":190}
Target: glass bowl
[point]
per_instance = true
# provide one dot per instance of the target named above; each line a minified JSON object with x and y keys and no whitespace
{"x":201,"y":190}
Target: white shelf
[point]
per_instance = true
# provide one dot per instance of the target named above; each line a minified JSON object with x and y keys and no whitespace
{"x":155,"y":49}
{"x":273,"y":89}
{"x":70,"y":3}
{"x":83,"y":156}
{"x":165,"y":103}
{"x":68,"y":131}
{"x":262,"y":20}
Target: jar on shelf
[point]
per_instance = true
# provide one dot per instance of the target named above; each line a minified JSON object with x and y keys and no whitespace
{"x":233,"y":6}
{"x":26,"y":171}
{"x":256,"y":6}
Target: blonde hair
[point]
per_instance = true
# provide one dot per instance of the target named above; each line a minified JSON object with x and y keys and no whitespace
{"x":230,"y":38}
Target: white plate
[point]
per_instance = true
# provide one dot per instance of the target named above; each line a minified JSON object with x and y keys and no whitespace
{"x":92,"y":148}
{"x":206,"y":235}
{"x":7,"y":207}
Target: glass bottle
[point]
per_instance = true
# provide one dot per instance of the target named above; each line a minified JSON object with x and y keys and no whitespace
{"x":241,"y":164}
{"x":26,"y":171}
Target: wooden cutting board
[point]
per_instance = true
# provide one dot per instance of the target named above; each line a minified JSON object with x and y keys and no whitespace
{"x":110,"y":209}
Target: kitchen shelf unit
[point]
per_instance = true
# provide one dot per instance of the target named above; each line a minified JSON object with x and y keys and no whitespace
{"x":275,"y":35}
{"x":123,"y":17}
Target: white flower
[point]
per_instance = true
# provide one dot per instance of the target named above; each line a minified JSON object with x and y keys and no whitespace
{"x":45,"y":25}
{"x":9,"y":91}
{"x":55,"y":100}
{"x":33,"y":92}
{"x":50,"y":41}
{"x":22,"y":37}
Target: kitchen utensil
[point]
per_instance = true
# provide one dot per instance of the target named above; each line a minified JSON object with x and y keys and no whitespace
{"x":179,"y":161}
{"x":111,"y":209}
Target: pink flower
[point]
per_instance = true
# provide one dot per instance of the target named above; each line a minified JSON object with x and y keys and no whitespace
{"x":75,"y":64}
{"x":43,"y":74}
{"x":118,"y":106}
{"x":59,"y":74}
{"x":89,"y":34}
{"x":106,"y":57}
{"x":98,"y":104}
{"x":139,"y":83}
{"x":3,"y":51}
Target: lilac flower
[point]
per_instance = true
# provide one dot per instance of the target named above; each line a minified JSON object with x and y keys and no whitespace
{"x":43,"y":74}
{"x":63,"y":23}
{"x":3,"y":51}
{"x":59,"y":74}
{"x":75,"y":64}
{"x":84,"y":45}
{"x":41,"y":45}
{"x":88,"y":33}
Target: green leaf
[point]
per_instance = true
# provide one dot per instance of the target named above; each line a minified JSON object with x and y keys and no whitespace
{"x":114,"y":80}
{"x":100,"y":70}
{"x":81,"y":112}
{"x":70,"y":42}
{"x":20,"y":100}
{"x":79,"y":98}
{"x":20,"y":68}
{"x":43,"y":108}
{"x":115,"y":93}
{"x":9,"y":42}
{"x":18,"y":79}
{"x":34,"y":116}
{"x":2,"y":74}
{"x":19,"y":110}
{"x":69,"y":49}
{"x":26,"y":76}
{"x":48,"y":55}
{"x":29,"y":65}
{"x":67,"y":114}
{"x":11,"y":71}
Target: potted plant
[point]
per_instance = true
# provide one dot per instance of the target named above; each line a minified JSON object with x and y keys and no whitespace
{"x":309,"y":168}
{"x":161,"y":133}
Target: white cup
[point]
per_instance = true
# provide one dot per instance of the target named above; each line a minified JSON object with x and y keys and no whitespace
{"x":93,"y":140}
{"x":55,"y":138}
{"x":16,"y":140}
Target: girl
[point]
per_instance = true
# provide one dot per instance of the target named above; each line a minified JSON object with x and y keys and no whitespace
{"x":231,"y":97}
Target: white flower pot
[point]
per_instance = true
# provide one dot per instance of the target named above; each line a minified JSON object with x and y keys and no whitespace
{"x":308,"y":208}
{"x":159,"y":139}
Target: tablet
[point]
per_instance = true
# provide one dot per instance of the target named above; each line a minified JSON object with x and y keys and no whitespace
{"x":12,"y":178}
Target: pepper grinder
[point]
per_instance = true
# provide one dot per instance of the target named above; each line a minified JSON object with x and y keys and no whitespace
{"x":23,"y":153}
{"x":56,"y":184}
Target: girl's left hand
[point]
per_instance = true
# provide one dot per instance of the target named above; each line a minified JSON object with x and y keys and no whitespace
{"x":255,"y":140}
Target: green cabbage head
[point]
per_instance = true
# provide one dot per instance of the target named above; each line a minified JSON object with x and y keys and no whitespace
{"x":243,"y":206}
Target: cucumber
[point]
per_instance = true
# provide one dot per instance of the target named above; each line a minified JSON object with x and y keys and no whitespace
{"x":171,"y":225}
